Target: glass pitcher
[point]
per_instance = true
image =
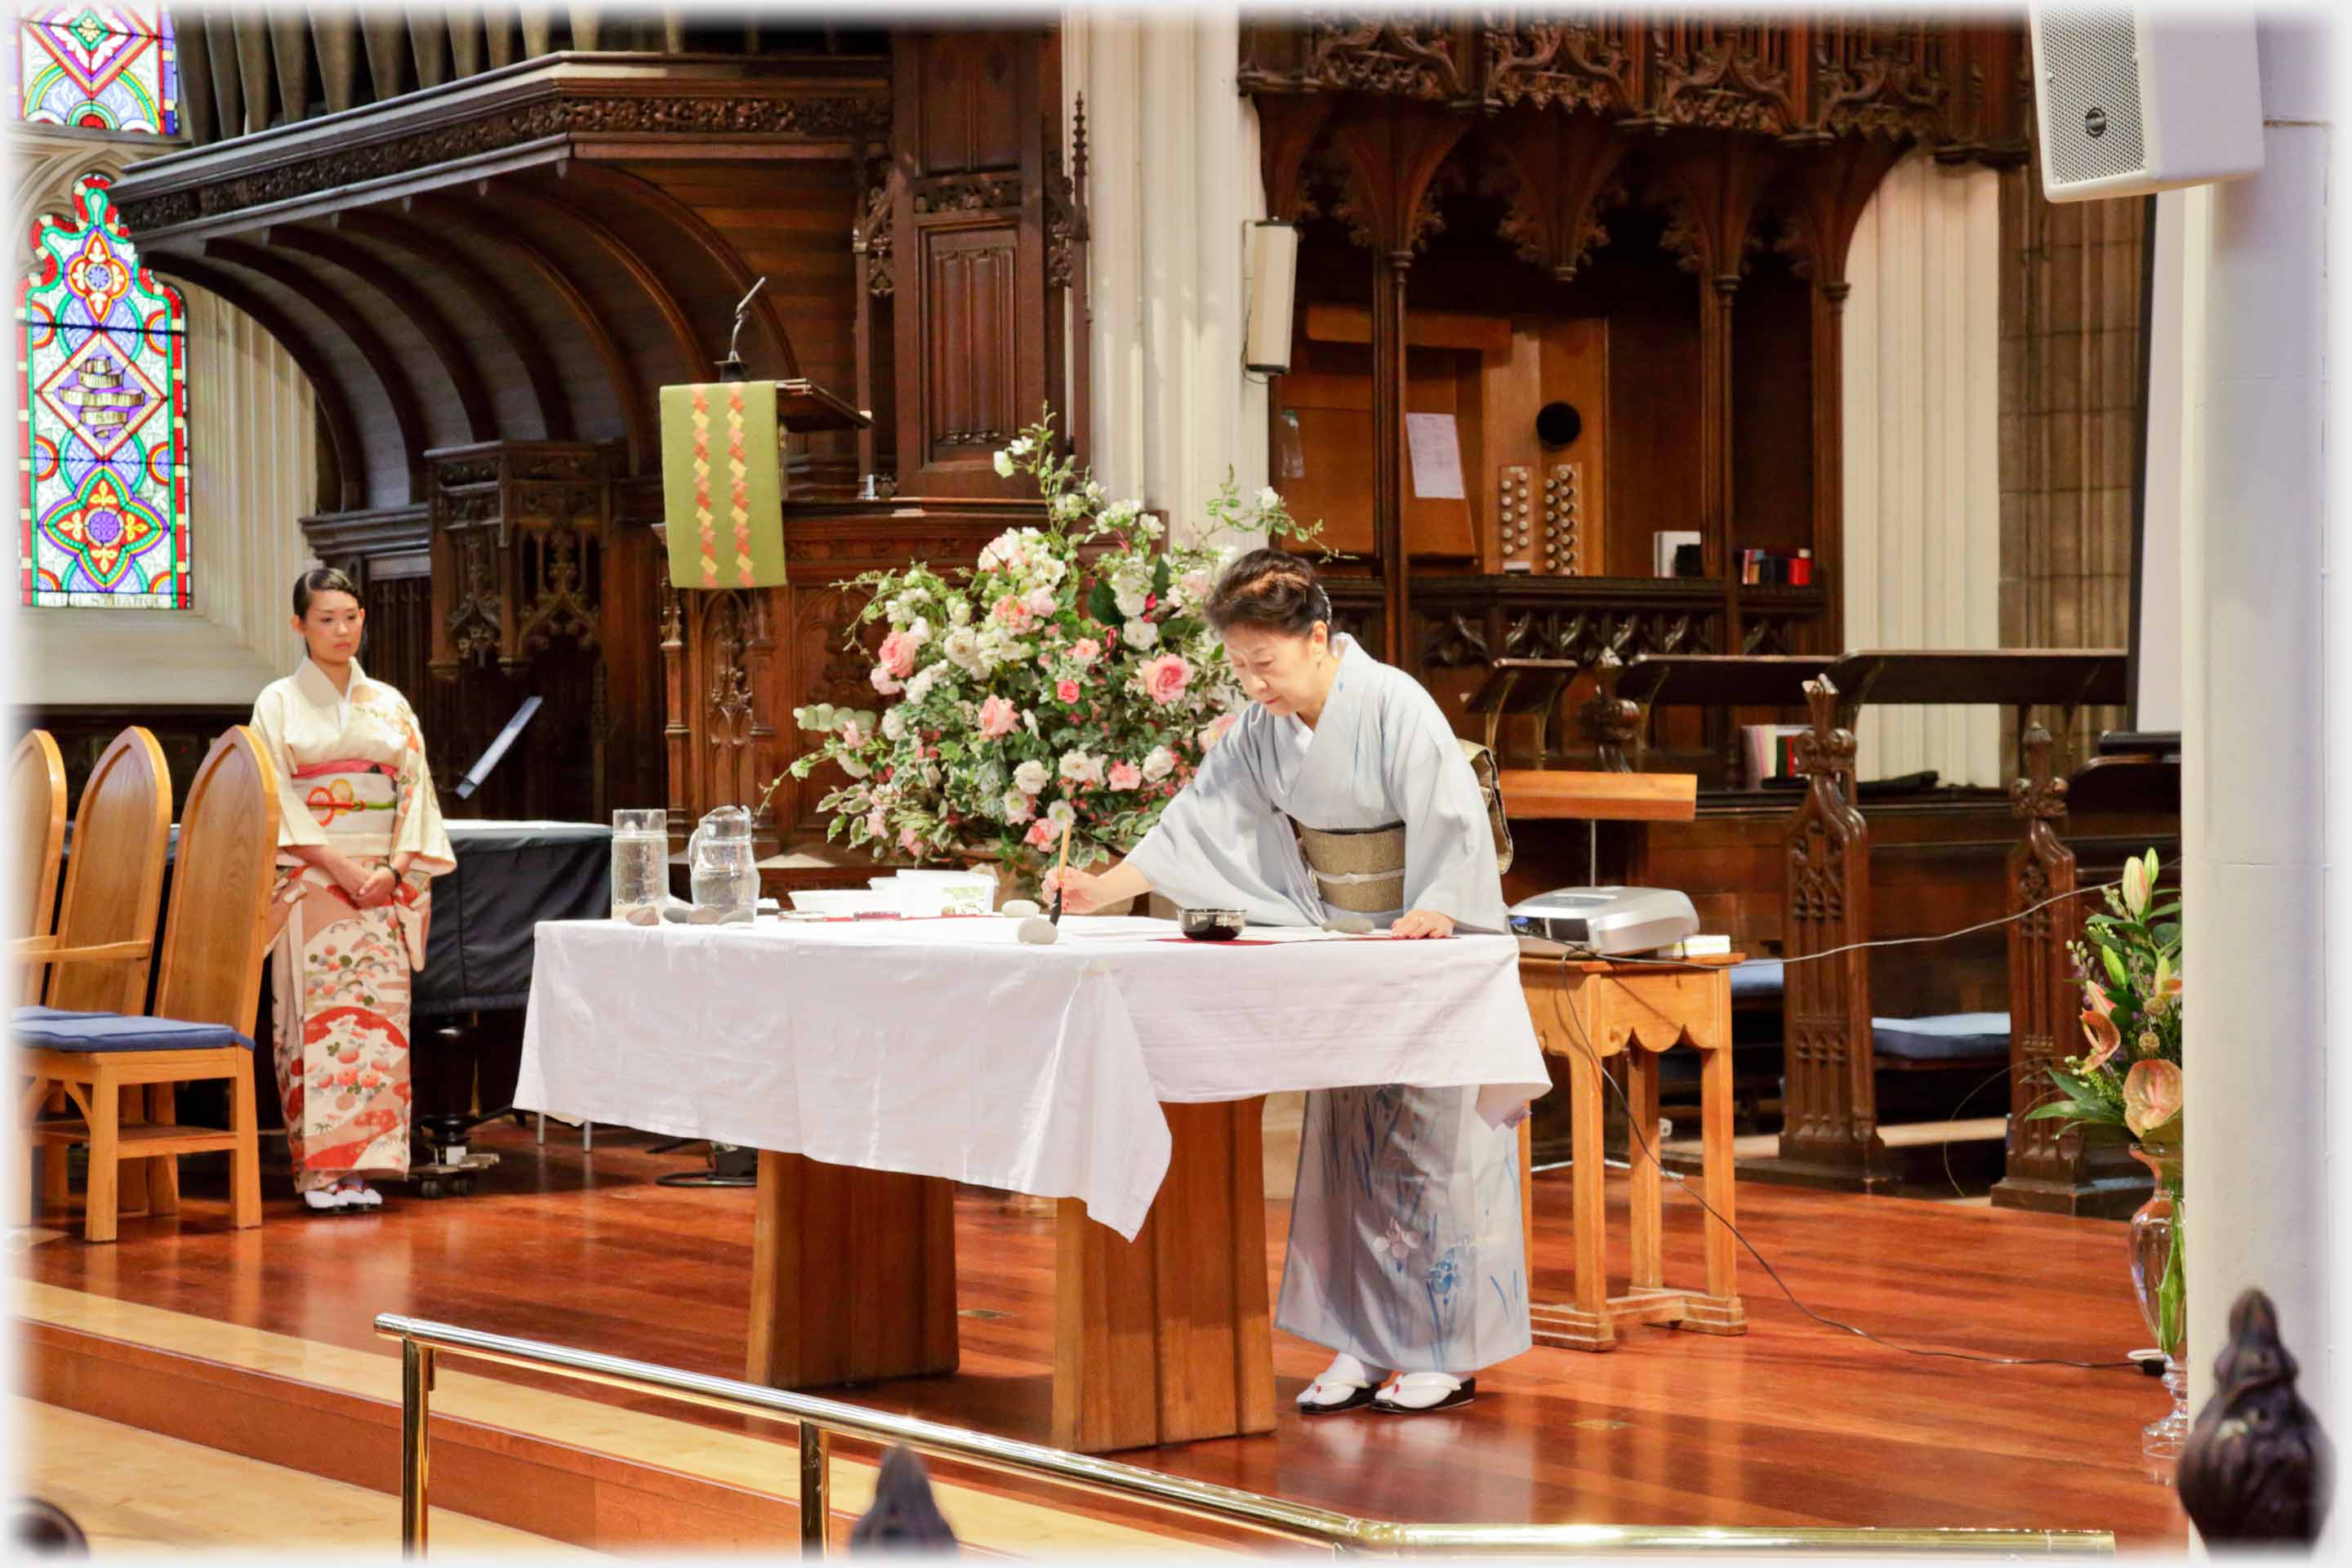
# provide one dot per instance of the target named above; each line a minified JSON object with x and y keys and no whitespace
{"x":640,"y":864}
{"x":721,"y":870}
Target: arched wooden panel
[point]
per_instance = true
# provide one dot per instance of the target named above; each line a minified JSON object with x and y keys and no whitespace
{"x":326,"y":388}
{"x":670,"y":212}
{"x":549,"y":394}
{"x":399,"y":391}
{"x":556,"y":283}
{"x":405,"y":297}
{"x":694,"y":359}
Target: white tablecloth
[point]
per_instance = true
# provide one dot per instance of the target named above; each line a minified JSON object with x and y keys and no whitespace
{"x":949,"y":1049}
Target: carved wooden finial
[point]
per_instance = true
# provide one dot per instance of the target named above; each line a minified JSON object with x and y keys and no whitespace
{"x":1612,"y":723}
{"x":1826,"y":748}
{"x":2038,"y":794}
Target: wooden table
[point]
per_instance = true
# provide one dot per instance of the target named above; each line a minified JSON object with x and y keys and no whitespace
{"x":1166,"y":1339}
{"x":1589,"y":1011}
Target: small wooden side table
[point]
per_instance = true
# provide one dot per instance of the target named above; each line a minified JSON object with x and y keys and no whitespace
{"x":1591,"y":1010}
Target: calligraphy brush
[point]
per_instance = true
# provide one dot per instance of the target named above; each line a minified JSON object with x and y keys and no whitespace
{"x":1061,"y":871}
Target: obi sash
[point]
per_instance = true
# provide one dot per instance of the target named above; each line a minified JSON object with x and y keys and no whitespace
{"x":350,"y":795}
{"x":1360,"y":870}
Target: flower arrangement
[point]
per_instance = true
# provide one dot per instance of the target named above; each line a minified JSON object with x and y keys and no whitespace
{"x":2128,"y":1083}
{"x":1068,"y":677}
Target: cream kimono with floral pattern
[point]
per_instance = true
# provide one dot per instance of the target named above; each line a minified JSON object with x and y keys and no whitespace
{"x":352,"y":773}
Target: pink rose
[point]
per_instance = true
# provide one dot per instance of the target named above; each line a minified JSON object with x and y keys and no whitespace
{"x":1068,"y":690}
{"x":1040,"y":833}
{"x":2151,"y":1096}
{"x":897,"y":653}
{"x":851,"y":735}
{"x":1013,"y":613}
{"x":1086,"y":650}
{"x":1125,"y":776}
{"x":1165,"y":677}
{"x":1215,"y":730}
{"x":998,"y":718}
{"x":884,"y":683}
{"x":876,"y":825}
{"x":910,"y":841}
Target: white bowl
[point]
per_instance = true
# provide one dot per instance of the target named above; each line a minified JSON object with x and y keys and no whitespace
{"x":842,"y":900}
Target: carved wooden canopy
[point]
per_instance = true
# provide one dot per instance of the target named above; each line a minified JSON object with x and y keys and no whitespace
{"x":1955,"y":84}
{"x":527,"y":255}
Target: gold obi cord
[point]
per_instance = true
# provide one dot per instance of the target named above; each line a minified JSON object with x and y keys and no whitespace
{"x":1360,"y":870}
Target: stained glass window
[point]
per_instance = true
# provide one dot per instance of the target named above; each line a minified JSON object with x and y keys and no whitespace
{"x":103,"y":418}
{"x":99,"y":68}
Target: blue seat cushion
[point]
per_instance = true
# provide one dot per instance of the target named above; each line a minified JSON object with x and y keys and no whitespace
{"x":54,"y":1029}
{"x":1945,"y":1037}
{"x":1756,"y":980}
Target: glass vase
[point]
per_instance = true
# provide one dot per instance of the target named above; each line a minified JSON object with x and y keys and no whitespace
{"x":2160,"y":1283}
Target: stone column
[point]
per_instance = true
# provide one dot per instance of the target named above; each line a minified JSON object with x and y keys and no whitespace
{"x":2267,"y":753}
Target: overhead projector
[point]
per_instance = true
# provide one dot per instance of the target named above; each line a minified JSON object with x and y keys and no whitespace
{"x":1606,"y":921}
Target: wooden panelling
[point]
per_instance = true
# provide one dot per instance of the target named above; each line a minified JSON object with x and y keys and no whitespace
{"x":968,"y":306}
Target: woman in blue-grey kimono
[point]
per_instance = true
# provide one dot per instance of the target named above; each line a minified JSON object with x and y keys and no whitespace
{"x":1341,"y":796}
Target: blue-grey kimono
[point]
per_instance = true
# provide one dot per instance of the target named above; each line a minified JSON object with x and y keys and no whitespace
{"x":1405,"y":1243}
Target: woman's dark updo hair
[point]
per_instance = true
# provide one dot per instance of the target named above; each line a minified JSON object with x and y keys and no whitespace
{"x":1270,"y":589}
{"x":318,"y":581}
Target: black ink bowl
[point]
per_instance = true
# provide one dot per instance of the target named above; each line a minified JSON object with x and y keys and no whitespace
{"x":1213,"y":925}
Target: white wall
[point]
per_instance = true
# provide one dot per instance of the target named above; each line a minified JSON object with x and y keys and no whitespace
{"x":1172,"y":410}
{"x":2266,"y":659}
{"x":1922,"y":367}
{"x":253,"y":457}
{"x":2175,"y":339}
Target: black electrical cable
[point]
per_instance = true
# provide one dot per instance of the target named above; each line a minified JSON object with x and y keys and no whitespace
{"x":1632,"y":1125}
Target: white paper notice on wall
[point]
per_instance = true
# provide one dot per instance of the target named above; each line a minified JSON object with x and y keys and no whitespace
{"x":1436,"y":457}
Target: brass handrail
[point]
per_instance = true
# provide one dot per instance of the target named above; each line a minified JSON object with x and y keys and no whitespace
{"x":421,"y":1341}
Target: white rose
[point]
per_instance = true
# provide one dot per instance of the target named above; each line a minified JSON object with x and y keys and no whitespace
{"x":962,"y":646}
{"x":1004,"y":464}
{"x":1048,"y":570}
{"x":894,"y":725}
{"x":1268,"y":498}
{"x":924,"y":679}
{"x":1042,"y":602}
{"x":1131,"y":604}
{"x":1142,"y":635}
{"x":918,"y":630}
{"x":1159,"y":764}
{"x":1060,"y":813}
{"x":1016,"y":807}
{"x":1194,"y":585}
{"x":1031,"y":776}
{"x":1020,"y":446}
{"x":959,"y":613}
{"x":1079,"y":768}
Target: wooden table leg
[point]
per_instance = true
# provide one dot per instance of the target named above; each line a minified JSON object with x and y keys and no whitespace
{"x":1166,"y":1339}
{"x":1719,"y":1311}
{"x":853,"y":1275}
{"x":1645,"y":1224}
{"x":1586,"y":1325}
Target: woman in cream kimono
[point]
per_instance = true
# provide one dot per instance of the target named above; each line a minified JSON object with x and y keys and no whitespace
{"x":1342,"y":793}
{"x":358,"y":840}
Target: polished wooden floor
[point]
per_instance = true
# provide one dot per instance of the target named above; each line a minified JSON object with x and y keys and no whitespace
{"x":1795,"y":1424}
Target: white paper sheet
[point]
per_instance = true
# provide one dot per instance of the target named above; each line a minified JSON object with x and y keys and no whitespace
{"x":949,"y":1048}
{"x":1436,"y":449}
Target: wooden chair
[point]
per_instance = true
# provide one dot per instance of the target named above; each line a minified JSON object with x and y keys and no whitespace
{"x":97,"y":955}
{"x":208,"y":986}
{"x":37,"y":828}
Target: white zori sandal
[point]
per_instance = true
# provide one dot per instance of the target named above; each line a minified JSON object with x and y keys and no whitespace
{"x":357,"y":1195}
{"x":1345,"y":1385}
{"x":1420,"y":1393}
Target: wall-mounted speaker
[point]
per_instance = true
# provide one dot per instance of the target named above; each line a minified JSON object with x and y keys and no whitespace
{"x":2129,"y":102}
{"x":1272,"y":291}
